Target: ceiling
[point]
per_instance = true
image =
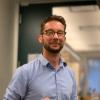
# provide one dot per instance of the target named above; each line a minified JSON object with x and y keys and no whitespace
{"x":26,"y":2}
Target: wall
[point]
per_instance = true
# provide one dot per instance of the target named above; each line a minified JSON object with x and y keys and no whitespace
{"x":7,"y":42}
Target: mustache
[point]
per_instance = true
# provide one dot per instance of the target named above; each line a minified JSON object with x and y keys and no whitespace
{"x":55,"y":42}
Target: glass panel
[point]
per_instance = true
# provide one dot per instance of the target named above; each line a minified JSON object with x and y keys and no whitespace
{"x":94,"y":75}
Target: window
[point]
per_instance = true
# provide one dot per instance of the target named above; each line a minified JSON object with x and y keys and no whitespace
{"x":94,"y":75}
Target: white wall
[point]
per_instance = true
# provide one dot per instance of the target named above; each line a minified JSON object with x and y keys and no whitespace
{"x":8,"y":42}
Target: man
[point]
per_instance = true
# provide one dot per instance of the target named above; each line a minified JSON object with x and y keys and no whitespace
{"x":47,"y":77}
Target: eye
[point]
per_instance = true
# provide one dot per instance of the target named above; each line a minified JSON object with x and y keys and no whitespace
{"x":49,"y":32}
{"x":60,"y":32}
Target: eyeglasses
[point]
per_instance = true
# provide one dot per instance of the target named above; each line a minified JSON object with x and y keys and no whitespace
{"x":52,"y":33}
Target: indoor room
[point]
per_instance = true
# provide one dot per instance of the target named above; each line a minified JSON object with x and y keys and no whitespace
{"x":19,"y":29}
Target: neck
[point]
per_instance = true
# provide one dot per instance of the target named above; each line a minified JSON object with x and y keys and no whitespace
{"x":54,"y":59}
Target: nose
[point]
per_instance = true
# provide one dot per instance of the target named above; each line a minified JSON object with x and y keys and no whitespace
{"x":55,"y":35}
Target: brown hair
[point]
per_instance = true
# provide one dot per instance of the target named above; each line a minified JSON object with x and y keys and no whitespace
{"x":51,"y":18}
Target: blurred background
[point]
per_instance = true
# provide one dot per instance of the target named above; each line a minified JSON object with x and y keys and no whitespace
{"x":20,"y":25}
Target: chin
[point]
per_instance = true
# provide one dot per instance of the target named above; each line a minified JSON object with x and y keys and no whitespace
{"x":55,"y":50}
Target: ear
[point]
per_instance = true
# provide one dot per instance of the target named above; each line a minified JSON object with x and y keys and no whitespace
{"x":65,"y":38}
{"x":40,"y":38}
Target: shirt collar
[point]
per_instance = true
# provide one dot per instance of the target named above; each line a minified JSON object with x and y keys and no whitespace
{"x":45,"y":62}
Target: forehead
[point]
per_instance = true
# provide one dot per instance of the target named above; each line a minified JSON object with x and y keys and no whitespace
{"x":54,"y":25}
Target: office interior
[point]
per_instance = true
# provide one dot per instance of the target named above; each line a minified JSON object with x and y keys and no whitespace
{"x":20,"y":26}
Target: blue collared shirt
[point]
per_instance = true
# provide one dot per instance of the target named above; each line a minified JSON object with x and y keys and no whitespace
{"x":38,"y":79}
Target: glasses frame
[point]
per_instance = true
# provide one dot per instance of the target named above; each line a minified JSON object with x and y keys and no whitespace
{"x":51,"y":33}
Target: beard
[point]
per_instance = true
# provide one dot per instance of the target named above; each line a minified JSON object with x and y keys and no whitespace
{"x":53,"y":50}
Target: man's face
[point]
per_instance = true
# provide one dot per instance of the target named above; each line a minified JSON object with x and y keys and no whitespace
{"x":53,"y":37}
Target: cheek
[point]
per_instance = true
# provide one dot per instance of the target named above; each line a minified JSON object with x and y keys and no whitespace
{"x":47,"y":39}
{"x":62,"y":39}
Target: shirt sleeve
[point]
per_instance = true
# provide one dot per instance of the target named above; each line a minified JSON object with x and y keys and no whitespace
{"x":17,"y":87}
{"x":74,"y":92}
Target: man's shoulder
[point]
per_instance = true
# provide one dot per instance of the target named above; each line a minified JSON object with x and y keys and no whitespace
{"x":70,"y":70}
{"x":31,"y":64}
{"x":27,"y":70}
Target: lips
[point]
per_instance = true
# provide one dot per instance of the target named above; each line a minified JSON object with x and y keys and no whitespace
{"x":55,"y":44}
